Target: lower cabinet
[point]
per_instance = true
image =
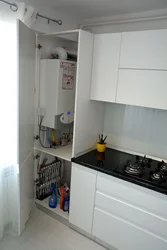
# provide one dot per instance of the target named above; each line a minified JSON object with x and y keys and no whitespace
{"x":83,"y":185}
{"x":129,"y":217}
{"x":122,"y":235}
{"x":123,"y":215}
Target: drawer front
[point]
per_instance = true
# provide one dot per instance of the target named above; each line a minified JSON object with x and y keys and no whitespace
{"x":132,"y":194}
{"x":131,"y":214}
{"x":122,"y":235}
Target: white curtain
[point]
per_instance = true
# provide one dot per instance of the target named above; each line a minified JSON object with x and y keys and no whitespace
{"x":8,"y":127}
{"x":9,"y":187}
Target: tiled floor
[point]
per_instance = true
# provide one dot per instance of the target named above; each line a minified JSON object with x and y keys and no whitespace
{"x":44,"y":233}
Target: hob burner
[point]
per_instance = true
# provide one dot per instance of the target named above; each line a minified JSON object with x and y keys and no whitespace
{"x":162,"y":166}
{"x":133,"y":169}
{"x":144,"y":161}
{"x":157,"y":176}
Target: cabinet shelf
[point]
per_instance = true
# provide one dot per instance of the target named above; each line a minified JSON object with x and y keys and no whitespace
{"x":64,"y":153}
{"x":57,"y":210}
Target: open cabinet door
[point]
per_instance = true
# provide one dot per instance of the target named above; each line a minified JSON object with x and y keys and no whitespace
{"x":89,"y":115}
{"x":26,"y":79}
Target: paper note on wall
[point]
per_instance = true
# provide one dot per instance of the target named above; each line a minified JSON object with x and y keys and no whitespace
{"x":68,"y":76}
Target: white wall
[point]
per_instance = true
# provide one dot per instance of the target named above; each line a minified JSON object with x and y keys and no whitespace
{"x":139,"y":129}
{"x":135,"y":128}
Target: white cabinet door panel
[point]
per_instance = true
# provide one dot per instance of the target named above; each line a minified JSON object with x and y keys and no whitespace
{"x":144,"y":50}
{"x":26,"y":190}
{"x":83,"y":185}
{"x":105,"y":66}
{"x":133,"y":194}
{"x":26,"y":84}
{"x":87,"y":113}
{"x":153,"y":224}
{"x":145,"y":88}
{"x":122,"y":235}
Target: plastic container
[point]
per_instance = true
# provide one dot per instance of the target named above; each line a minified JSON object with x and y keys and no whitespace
{"x":62,"y":195}
{"x":66,"y":202}
{"x":53,"y":197}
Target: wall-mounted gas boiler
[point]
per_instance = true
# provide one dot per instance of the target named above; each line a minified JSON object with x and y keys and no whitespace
{"x":57,"y":92}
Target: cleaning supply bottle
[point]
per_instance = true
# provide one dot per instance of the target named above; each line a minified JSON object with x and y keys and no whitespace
{"x":53,"y":197}
{"x":66,"y":202}
{"x":62,"y":193}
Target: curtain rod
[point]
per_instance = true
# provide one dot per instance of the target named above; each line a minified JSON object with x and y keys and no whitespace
{"x":14,"y":8}
{"x":59,"y":22}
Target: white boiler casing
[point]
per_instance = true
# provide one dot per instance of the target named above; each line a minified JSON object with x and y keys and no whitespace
{"x":57,"y":92}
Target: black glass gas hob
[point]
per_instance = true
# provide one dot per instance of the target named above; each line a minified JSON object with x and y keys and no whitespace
{"x":142,"y":171}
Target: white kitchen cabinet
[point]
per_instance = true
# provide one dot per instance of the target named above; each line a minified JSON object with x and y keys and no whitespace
{"x":105,"y":67}
{"x":123,"y":235}
{"x":144,"y":50}
{"x":140,"y":197}
{"x":127,"y":216}
{"x":83,"y":185}
{"x":131,"y":213}
{"x":141,"y":57}
{"x":85,"y":112}
{"x":145,"y":88}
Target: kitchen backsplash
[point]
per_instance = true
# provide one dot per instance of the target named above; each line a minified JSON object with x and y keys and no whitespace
{"x":139,"y":129}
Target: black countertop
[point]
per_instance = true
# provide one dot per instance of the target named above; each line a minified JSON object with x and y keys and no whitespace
{"x":112,"y":163}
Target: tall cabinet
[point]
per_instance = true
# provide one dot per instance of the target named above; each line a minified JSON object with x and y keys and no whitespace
{"x":87,"y":112}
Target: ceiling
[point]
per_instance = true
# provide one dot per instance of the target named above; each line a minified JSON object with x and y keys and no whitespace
{"x":82,"y":9}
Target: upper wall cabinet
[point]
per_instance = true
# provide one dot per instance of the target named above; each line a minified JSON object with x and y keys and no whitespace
{"x":145,"y":88}
{"x":105,"y":67}
{"x":144,"y":50}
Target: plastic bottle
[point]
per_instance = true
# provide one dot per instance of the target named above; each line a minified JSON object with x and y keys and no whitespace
{"x":62,"y":193}
{"x":66,"y":202}
{"x":53,"y":197}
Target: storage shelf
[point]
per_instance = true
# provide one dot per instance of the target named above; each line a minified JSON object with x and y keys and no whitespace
{"x":64,"y":153}
{"x":57,"y":210}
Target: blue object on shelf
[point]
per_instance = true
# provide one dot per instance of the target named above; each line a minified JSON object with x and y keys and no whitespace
{"x":66,"y":202}
{"x":53,"y":197}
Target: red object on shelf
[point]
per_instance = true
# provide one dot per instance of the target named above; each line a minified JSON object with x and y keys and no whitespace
{"x":62,"y":194}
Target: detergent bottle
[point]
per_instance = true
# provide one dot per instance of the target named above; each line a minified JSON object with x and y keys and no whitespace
{"x":66,"y":202}
{"x":53,"y":197}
